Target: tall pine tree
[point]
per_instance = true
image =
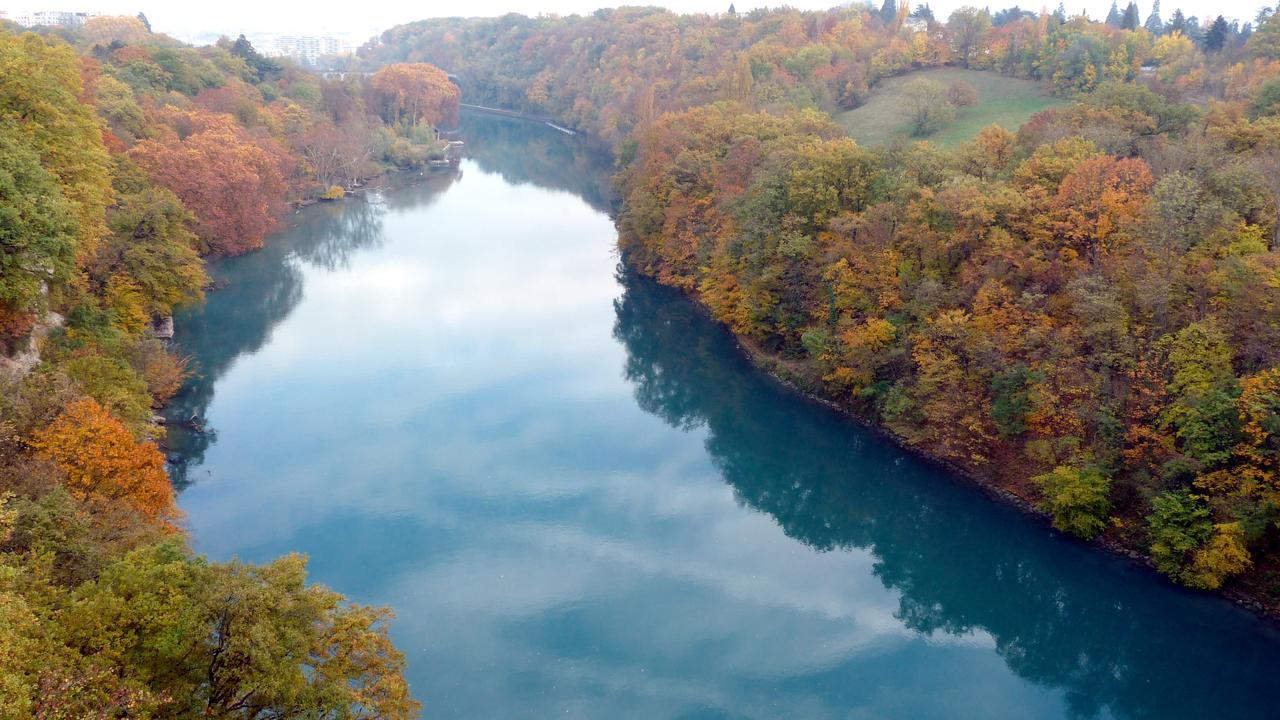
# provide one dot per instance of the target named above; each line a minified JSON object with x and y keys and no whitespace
{"x":1131,"y":18}
{"x":1216,"y":38}
{"x":1153,"y":24}
{"x":1114,"y":19}
{"x":889,"y":11}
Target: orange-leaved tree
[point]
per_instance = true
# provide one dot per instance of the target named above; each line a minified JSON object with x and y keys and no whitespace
{"x":103,"y":461}
{"x":1096,"y":200}
{"x":417,"y":92}
{"x":232,"y":181}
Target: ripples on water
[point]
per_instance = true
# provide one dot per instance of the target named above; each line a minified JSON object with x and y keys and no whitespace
{"x":582,"y":502}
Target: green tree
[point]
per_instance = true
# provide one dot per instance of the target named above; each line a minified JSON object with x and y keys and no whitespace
{"x":1154,"y":25}
{"x":888,"y":11}
{"x":1203,"y":414}
{"x":969,"y":27}
{"x":40,"y":90}
{"x":1114,"y":18}
{"x":152,"y":244}
{"x":1011,"y":399}
{"x":1189,"y":547}
{"x":1265,"y":41}
{"x":37,"y":224}
{"x":116,"y":386}
{"x":261,"y":66}
{"x":1268,"y":101}
{"x":1179,"y":525}
{"x":925,"y":104}
{"x":1216,"y":37}
{"x":1077,"y":498}
{"x":237,"y":641}
{"x":1130,"y":19}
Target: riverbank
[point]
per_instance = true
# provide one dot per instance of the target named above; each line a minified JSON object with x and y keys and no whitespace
{"x":801,"y":379}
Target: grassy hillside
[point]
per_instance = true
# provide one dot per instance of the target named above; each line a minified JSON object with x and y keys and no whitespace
{"x":1001,"y":100}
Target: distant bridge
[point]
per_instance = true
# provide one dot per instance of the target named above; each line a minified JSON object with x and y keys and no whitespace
{"x":343,"y":74}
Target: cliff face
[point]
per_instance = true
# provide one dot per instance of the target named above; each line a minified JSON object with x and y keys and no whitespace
{"x":26,"y":353}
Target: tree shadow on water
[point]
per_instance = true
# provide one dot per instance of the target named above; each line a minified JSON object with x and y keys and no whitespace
{"x":1113,"y":637}
{"x":260,"y":290}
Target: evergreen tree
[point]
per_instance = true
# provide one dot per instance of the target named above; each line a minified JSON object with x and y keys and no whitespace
{"x":1153,"y":24}
{"x":262,"y":65}
{"x":889,"y":11}
{"x":1216,"y":38}
{"x":1114,"y":19}
{"x":1130,"y":20}
{"x":732,"y":9}
{"x":1194,"y":30}
{"x":1061,"y":13}
{"x":1009,"y":15}
{"x":923,"y":12}
{"x":142,"y":18}
{"x":1177,"y":23}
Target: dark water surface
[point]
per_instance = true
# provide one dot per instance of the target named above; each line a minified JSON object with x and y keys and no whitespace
{"x":583,"y":503}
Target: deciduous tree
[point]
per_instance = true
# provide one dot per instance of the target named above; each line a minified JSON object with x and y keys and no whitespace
{"x":103,"y":461}
{"x":417,"y":92}
{"x":232,"y":182}
{"x":925,"y":104}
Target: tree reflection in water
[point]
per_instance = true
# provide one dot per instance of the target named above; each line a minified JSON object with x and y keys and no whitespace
{"x":269,"y":281}
{"x":268,"y":286}
{"x":1116,"y":638}
{"x":523,"y":152}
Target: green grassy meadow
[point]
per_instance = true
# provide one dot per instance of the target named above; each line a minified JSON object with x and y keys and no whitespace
{"x":1004,"y":101}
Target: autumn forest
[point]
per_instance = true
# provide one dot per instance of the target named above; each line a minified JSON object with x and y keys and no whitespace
{"x":1081,"y":314}
{"x":1082,"y":311}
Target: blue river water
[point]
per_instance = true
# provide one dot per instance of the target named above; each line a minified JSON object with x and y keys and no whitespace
{"x":581,"y":500}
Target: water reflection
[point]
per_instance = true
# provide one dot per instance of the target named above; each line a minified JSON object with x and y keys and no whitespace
{"x":268,"y":286}
{"x":581,"y":500}
{"x":1114,"y":637}
{"x":526,"y":152}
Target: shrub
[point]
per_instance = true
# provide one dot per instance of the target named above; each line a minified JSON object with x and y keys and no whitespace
{"x":962,"y":94}
{"x":1268,"y":100}
{"x":163,"y":372}
{"x":116,"y":386}
{"x":926,"y":106}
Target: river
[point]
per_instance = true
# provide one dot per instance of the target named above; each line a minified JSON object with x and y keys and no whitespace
{"x":581,"y":501}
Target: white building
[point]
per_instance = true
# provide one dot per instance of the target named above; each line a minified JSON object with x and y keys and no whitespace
{"x":307,"y":48}
{"x":50,"y":18}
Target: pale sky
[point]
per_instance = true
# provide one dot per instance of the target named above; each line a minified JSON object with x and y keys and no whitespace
{"x":363,"y":19}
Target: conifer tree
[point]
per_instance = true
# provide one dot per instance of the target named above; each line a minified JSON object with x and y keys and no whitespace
{"x":1130,"y":20}
{"x":1216,"y":38}
{"x":1153,"y":24}
{"x":889,"y":10}
{"x":1114,"y":18}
